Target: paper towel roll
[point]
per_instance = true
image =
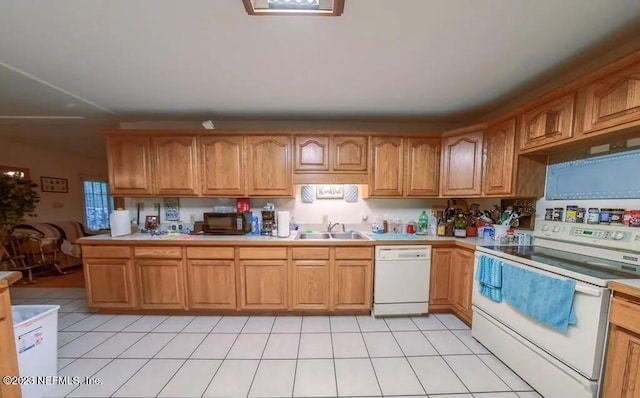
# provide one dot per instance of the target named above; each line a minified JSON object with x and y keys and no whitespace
{"x":283,"y":224}
{"x":120,"y":223}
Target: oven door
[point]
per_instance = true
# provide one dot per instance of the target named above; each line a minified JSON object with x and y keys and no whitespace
{"x":581,"y":347}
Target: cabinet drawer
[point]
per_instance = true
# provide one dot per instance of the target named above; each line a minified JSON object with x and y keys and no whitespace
{"x":212,"y":253}
{"x":347,"y":253}
{"x":310,"y":253}
{"x":106,"y":251}
{"x":625,"y":314}
{"x":263,"y":253}
{"x":157,"y":252}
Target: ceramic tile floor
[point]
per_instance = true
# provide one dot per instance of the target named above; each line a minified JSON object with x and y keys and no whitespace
{"x":263,"y":356}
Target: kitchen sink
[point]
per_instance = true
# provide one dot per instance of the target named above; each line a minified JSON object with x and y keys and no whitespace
{"x":348,"y":235}
{"x":313,"y":236}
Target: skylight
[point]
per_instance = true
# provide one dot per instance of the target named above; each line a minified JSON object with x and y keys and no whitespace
{"x":294,"y":7}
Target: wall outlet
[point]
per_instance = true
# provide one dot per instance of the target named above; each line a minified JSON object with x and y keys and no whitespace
{"x":325,"y":219}
{"x":365,"y":217}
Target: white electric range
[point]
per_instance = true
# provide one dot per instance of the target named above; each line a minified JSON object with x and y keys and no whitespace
{"x":559,"y":364}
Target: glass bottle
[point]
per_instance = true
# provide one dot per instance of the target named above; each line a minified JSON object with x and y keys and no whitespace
{"x":441,"y":227}
{"x":423,"y":224}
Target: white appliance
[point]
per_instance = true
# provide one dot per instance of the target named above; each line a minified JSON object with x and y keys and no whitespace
{"x":401,"y":280}
{"x":557,"y":364}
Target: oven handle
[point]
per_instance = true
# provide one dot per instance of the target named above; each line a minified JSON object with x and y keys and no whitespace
{"x":588,"y":290}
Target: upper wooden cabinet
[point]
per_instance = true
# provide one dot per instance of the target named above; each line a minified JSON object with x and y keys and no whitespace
{"x":613,"y":101}
{"x":507,"y":174}
{"x":548,"y":123}
{"x":423,"y":167}
{"x":269,"y":170}
{"x":462,"y":162}
{"x":176,"y":165}
{"x":222,"y":166}
{"x":129,"y":159}
{"x":387,"y":167}
{"x":311,"y":153}
{"x":348,"y":154}
{"x":325,"y":158}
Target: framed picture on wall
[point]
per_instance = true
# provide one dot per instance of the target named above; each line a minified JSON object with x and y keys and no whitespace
{"x":324,"y":191}
{"x":151,"y":222}
{"x":52,"y":184}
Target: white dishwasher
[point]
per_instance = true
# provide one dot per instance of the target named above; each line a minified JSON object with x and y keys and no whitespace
{"x":401,"y":280}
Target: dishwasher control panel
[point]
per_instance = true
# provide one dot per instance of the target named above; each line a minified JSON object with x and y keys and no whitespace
{"x":402,"y":253}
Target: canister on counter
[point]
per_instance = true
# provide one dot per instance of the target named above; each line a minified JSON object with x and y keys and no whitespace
{"x":593,"y":217}
{"x":580,"y":218}
{"x":557,"y":214}
{"x":632,"y":218}
{"x":572,"y":214}
{"x":617,"y":216}
{"x":605,"y":216}
{"x":385,"y":226}
{"x":548,"y":214}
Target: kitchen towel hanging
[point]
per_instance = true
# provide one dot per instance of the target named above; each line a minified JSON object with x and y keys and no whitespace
{"x":120,"y":223}
{"x":283,"y":224}
{"x":489,"y":277}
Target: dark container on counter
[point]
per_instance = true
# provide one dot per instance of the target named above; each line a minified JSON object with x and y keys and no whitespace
{"x":557,"y":214}
{"x":580,"y":218}
{"x":548,"y":214}
{"x":617,"y":216}
{"x":593,"y":217}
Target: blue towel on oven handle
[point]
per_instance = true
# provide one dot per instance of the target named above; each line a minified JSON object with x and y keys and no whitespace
{"x":489,"y":277}
{"x":546,"y":299}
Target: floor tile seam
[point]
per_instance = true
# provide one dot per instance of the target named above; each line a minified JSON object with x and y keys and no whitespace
{"x":169,"y":317}
{"x":462,"y":341}
{"x":90,"y":330}
{"x":114,"y":335}
{"x":253,"y":379}
{"x":495,"y":373}
{"x":221,"y":361}
{"x":92,"y":375}
{"x":145,"y":335}
{"x":68,"y":326}
{"x":295,"y":369}
{"x":456,"y":374}
{"x":130,"y":377}
{"x":432,"y":345}
{"x":163,"y":347}
{"x":375,"y":374}
{"x":83,"y":333}
{"x":171,"y":378}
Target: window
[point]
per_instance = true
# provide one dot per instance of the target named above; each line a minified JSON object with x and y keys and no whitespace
{"x":98,"y":204}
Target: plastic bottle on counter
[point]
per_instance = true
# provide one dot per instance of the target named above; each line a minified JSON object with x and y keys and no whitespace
{"x":423,"y":224}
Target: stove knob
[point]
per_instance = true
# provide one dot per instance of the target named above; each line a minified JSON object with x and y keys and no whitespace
{"x":545,"y":227}
{"x":617,"y":235}
{"x":556,"y":228}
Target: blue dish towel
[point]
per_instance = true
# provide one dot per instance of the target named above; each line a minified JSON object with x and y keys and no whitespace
{"x":489,"y":276}
{"x":543,"y":298}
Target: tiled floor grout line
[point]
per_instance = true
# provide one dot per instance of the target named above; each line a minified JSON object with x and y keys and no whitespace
{"x":93,"y":374}
{"x":371,"y":359}
{"x":263,"y":350}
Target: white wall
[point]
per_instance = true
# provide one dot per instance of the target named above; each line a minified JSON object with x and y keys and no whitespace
{"x":42,"y":161}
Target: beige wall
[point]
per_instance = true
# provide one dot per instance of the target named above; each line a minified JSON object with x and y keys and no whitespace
{"x":42,"y":161}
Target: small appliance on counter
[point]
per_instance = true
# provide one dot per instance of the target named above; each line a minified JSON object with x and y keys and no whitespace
{"x":226,"y":223}
{"x":268,"y":222}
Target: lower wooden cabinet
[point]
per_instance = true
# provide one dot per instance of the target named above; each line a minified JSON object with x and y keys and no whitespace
{"x":160,"y":284}
{"x":439,"y":297}
{"x":9,"y":362}
{"x":211,"y":284}
{"x":310,"y":280}
{"x":352,"y":285}
{"x":109,"y":283}
{"x":263,"y":284}
{"x":451,"y":282}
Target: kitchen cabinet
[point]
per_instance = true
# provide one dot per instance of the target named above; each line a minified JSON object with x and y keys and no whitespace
{"x":507,"y":174}
{"x":311,"y":153}
{"x":108,"y":275}
{"x":461,"y":283}
{"x":387,"y":167}
{"x":222,"y":160}
{"x":211,"y":280}
{"x":325,"y":158}
{"x":310,"y":278}
{"x":352,"y":279}
{"x":439,"y":295}
{"x":423,"y":167}
{"x":613,"y":102}
{"x":263,"y":277}
{"x":175,"y":165}
{"x":9,"y":362}
{"x":349,"y":154}
{"x":462,"y":162}
{"x":551,"y":122}
{"x":269,"y":162}
{"x":622,"y":366}
{"x":159,"y":274}
{"x":129,"y":164}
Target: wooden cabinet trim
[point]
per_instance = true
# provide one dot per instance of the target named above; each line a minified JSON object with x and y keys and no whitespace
{"x":348,"y":253}
{"x":310,"y":253}
{"x":267,"y":253}
{"x":626,"y":314}
{"x":213,"y":253}
{"x":106,"y":251}
{"x":160,"y":252}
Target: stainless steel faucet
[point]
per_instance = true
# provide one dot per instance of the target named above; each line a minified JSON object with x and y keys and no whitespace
{"x":332,"y":225}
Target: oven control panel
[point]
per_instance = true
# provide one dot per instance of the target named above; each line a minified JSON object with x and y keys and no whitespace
{"x":612,"y":236}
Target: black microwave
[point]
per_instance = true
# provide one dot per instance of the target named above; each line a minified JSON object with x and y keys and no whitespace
{"x":226,"y":223}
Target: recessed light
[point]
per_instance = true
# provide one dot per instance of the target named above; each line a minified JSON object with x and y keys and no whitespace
{"x":294,"y":7}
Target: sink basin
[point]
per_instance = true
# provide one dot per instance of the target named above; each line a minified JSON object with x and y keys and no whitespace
{"x":313,"y":236}
{"x":348,"y":235}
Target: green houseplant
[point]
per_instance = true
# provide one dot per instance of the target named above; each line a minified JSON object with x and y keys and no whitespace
{"x":17,"y":200}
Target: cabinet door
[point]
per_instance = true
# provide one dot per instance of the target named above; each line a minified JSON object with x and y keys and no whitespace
{"x":622,"y":371}
{"x":499,"y":173}
{"x":129,"y":159}
{"x":223,"y":166}
{"x":548,"y":123}
{"x":439,"y":289}
{"x":310,"y":285}
{"x":269,"y":166}
{"x":175,"y":165}
{"x":160,"y":284}
{"x":311,"y":154}
{"x":614,"y":101}
{"x":462,"y":164}
{"x":9,"y":362}
{"x":349,"y":154}
{"x":109,"y":283}
{"x":352,"y":285}
{"x":423,"y":166}
{"x":263,"y":284}
{"x":211,"y":284}
{"x":387,"y":167}
{"x":461,"y":283}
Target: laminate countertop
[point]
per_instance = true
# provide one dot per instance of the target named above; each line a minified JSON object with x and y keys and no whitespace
{"x":10,"y":276}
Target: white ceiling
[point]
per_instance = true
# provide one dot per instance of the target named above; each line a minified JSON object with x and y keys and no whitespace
{"x":110,"y":61}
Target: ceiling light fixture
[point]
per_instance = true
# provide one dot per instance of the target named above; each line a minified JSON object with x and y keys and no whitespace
{"x":294,"y":7}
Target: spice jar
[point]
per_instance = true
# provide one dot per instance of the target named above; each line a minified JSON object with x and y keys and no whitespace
{"x":581,"y":215}
{"x":617,"y":216}
{"x":548,"y":214}
{"x":605,"y":216}
{"x":593,"y":217}
{"x":571,"y":214}
{"x":557,"y":214}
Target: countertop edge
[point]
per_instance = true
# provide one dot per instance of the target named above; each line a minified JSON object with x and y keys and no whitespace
{"x":12,"y":277}
{"x":631,"y":287}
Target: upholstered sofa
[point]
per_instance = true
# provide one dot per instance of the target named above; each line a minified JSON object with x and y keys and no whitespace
{"x":62,"y":234}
